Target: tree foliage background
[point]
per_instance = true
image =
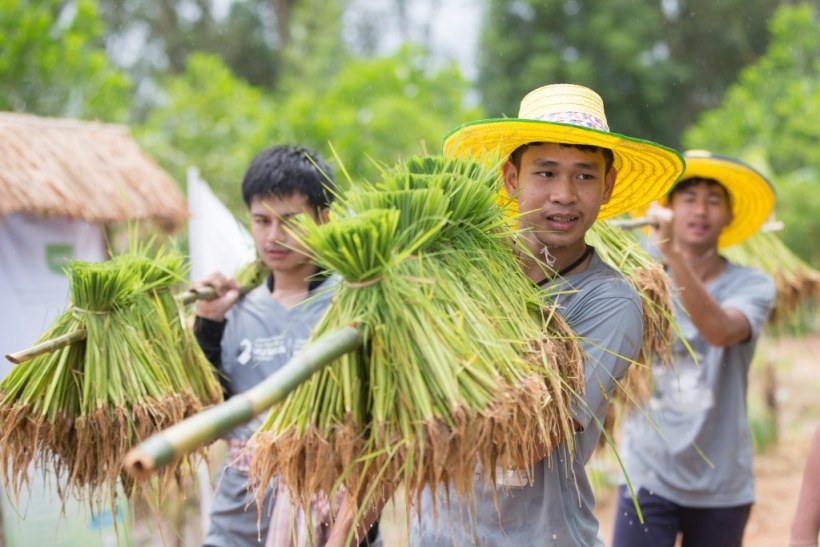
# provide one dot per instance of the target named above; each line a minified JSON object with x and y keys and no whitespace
{"x":656,"y":63}
{"x":209,"y":83}
{"x":769,"y":117}
{"x":51,"y":62}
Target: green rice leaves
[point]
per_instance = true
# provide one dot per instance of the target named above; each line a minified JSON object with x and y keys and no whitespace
{"x":461,"y":366}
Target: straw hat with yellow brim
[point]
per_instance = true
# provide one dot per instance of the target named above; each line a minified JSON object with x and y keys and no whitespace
{"x":751,"y":195}
{"x":572,"y":114}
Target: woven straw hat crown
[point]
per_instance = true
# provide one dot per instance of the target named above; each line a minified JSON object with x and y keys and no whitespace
{"x":572,"y":114}
{"x":565,"y":103}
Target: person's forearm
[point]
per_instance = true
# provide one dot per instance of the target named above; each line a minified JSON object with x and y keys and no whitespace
{"x":806,"y":524}
{"x":717,"y":325}
{"x":345,"y":518}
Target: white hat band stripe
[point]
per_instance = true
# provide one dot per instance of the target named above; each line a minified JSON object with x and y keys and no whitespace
{"x":575,"y":118}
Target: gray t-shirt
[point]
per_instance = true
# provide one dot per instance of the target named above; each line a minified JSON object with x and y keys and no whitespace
{"x":554,"y":505}
{"x":705,"y":459}
{"x":261,"y":336}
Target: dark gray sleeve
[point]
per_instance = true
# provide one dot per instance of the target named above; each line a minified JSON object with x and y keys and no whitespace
{"x":208,"y":334}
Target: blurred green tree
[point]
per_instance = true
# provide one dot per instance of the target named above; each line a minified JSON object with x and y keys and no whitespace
{"x":375,"y":110}
{"x":381,"y":109}
{"x":166,"y":32}
{"x":769,"y":118}
{"x":52,"y":62}
{"x":212,"y":120}
{"x":775,"y":103}
{"x":655,"y":63}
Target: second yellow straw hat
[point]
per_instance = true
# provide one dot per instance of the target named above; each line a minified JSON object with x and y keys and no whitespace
{"x":751,"y":195}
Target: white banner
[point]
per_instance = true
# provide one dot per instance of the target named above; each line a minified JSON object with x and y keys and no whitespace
{"x":217,"y":241}
{"x":33,"y":288}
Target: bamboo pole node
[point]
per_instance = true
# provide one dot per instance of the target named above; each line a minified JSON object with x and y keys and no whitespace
{"x":192,"y":295}
{"x":140,"y":464}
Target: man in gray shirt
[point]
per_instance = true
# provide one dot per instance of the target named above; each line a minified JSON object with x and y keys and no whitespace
{"x":250,"y":337}
{"x":560,"y":190}
{"x":692,"y":464}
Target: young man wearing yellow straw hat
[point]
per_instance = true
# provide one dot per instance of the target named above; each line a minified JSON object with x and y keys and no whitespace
{"x":691,"y":462}
{"x":560,"y":189}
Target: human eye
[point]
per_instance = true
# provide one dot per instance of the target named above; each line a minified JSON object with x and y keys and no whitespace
{"x":288,"y":220}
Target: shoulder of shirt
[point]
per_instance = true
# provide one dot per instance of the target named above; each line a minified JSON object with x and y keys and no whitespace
{"x":748,"y":274}
{"x":603,"y":274}
{"x":325,"y":290}
{"x":330,"y":283}
{"x":601,"y":281}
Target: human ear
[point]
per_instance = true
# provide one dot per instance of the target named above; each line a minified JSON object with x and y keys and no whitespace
{"x":510,"y":179}
{"x":324,"y":215}
{"x":609,"y":184}
{"x":729,"y":218}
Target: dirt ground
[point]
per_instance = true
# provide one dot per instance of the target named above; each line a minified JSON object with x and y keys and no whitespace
{"x":778,"y":469}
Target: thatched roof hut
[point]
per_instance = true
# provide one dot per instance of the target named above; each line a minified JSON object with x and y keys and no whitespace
{"x":82,"y":171}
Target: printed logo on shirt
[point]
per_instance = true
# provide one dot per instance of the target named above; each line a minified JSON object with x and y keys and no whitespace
{"x":511,"y":478}
{"x":684,"y":391}
{"x":58,"y":256}
{"x":262,"y":349}
{"x":245,"y":355}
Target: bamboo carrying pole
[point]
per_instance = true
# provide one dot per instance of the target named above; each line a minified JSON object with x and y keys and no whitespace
{"x":632,"y":223}
{"x":186,"y":298}
{"x":47,"y":347}
{"x":187,"y":436}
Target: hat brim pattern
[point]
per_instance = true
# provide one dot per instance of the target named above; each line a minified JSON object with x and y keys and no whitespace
{"x":752,"y":196}
{"x":646,"y":171}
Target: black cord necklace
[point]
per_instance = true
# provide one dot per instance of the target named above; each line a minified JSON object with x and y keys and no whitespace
{"x":564,"y":271}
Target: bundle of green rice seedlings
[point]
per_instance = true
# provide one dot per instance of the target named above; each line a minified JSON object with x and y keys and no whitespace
{"x":44,"y":399}
{"x":76,"y":411}
{"x":38,"y":402}
{"x":798,"y":284}
{"x":622,"y":250}
{"x":461,"y":365}
{"x":162,"y":322}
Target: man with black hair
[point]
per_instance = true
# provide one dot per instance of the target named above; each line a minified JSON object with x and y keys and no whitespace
{"x":691,"y":461}
{"x":563,"y":170}
{"x":250,"y":337}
